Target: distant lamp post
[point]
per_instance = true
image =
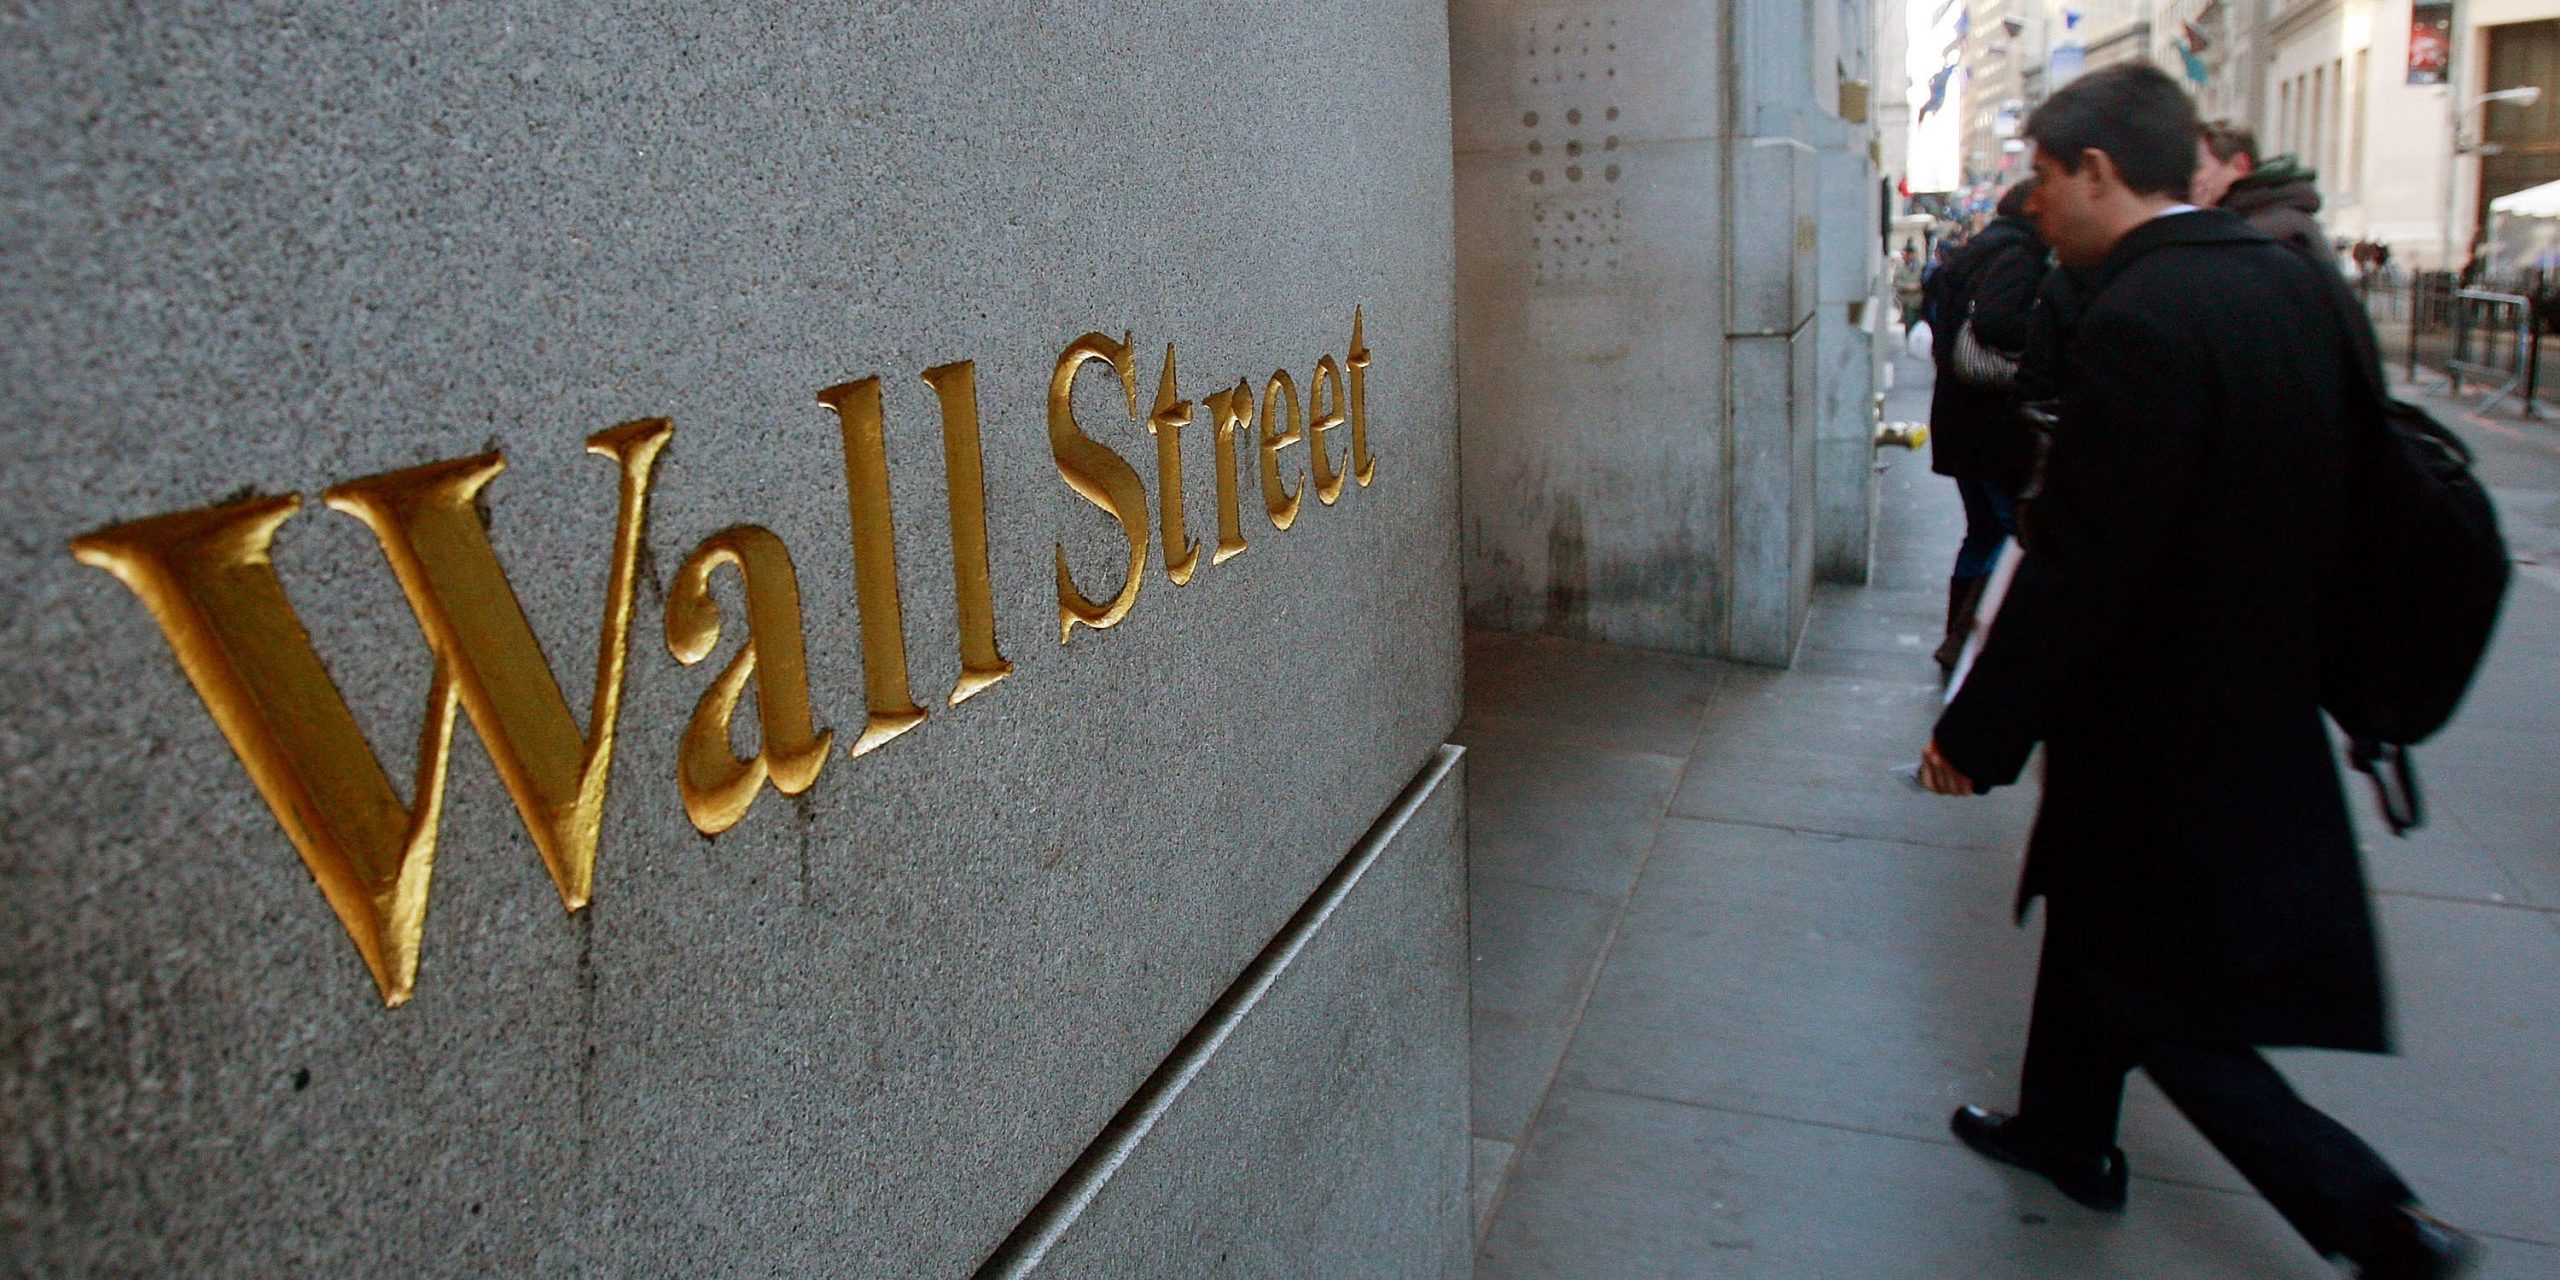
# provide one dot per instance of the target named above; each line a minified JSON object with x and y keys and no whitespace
{"x":2464,"y":144}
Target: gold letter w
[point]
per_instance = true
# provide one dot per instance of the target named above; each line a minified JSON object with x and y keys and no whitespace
{"x":208,"y":580}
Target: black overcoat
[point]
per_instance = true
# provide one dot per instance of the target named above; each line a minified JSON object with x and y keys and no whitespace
{"x":1974,"y":431}
{"x":2163,"y":642}
{"x":2057,"y":308}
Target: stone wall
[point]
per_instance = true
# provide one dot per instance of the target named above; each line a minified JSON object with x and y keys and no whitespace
{"x":867,"y":1027}
{"x":1641,"y":211}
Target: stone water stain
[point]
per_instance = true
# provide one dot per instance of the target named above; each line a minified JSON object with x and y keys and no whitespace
{"x":1568,"y":568}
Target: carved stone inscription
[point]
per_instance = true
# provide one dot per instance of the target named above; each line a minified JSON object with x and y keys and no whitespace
{"x":209,"y":581}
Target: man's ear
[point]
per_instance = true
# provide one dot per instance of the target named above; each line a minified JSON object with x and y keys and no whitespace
{"x":2242,"y":165}
{"x":2098,"y":168}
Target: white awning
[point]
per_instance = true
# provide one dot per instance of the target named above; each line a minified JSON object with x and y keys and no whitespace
{"x":2532,"y":202}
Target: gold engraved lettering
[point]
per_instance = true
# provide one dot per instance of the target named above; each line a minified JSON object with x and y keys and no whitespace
{"x":964,"y":470}
{"x":718,"y":787}
{"x":1229,"y":410}
{"x":1363,"y":467}
{"x":431,"y":531}
{"x":1104,"y":478}
{"x":875,"y":565}
{"x":1181,"y":554}
{"x":1277,"y":497}
{"x":1320,"y":419}
{"x":209,"y":581}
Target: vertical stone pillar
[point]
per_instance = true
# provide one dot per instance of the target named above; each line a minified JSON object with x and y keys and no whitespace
{"x":1639,"y":194}
{"x":1850,"y":313}
{"x":1590,"y":162}
{"x":1769,"y":239}
{"x":1772,"y":235}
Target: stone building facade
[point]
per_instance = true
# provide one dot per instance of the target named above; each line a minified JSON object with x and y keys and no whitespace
{"x":818,"y":638}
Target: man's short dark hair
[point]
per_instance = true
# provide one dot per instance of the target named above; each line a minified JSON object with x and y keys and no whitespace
{"x":2226,"y":138}
{"x":2132,"y":111}
{"x":2013,"y":202}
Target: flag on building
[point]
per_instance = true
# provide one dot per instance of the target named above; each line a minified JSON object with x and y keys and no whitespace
{"x":2196,"y":71}
{"x":1937,"y":91}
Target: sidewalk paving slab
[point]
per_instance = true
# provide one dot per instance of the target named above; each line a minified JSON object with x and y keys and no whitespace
{"x":1617,"y":1185}
{"x":1834,"y":981}
{"x":1558,"y":815}
{"x":1528,"y":996}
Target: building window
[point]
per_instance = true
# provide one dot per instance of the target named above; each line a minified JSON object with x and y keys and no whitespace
{"x":2302,"y":116}
{"x":2356,"y":127}
{"x":2302,"y":113}
{"x":2318,"y":114}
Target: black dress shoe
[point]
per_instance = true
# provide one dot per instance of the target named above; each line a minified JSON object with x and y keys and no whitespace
{"x":2415,"y":1245}
{"x":2096,"y":1181}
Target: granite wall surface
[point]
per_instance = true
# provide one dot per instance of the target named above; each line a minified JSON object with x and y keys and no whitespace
{"x":1335,"y":1051}
{"x":1852,"y":287}
{"x":864,"y":1030}
{"x":1591,"y":166}
{"x":1641,"y":213}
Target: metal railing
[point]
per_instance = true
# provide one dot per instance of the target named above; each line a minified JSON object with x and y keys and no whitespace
{"x":2493,"y":341}
{"x":2483,"y":337}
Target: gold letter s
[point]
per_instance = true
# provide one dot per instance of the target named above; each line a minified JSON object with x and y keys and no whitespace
{"x":1104,"y":478}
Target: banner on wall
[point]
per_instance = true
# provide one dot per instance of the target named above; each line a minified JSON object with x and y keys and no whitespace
{"x":2430,"y":42}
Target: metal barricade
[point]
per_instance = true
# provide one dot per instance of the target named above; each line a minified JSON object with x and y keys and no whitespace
{"x":2418,"y":315}
{"x":2492,"y":343}
{"x":2491,"y":336}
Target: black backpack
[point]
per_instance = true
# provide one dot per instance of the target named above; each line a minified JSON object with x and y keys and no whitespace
{"x":2418,"y":590}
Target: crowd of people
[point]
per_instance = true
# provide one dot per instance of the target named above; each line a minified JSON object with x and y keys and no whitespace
{"x":2148,"y":368}
{"x":2280,"y":196}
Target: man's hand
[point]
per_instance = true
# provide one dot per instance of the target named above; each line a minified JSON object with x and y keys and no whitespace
{"x":1940,"y":776}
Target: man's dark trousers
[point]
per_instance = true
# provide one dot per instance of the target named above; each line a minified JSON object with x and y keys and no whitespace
{"x":2325,"y":1181}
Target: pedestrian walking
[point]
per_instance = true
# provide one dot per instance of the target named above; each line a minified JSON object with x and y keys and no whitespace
{"x":1906,"y":288}
{"x":1982,"y":320}
{"x":2162,"y":639}
{"x":2279,"y":195}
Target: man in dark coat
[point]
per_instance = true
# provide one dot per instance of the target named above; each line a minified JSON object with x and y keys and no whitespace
{"x":2280,"y":196}
{"x":2162,"y":639}
{"x":2057,"y":308}
{"x":1975,"y":435}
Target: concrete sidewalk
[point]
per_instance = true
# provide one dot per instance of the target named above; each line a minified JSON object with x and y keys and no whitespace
{"x":1733,"y":970}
